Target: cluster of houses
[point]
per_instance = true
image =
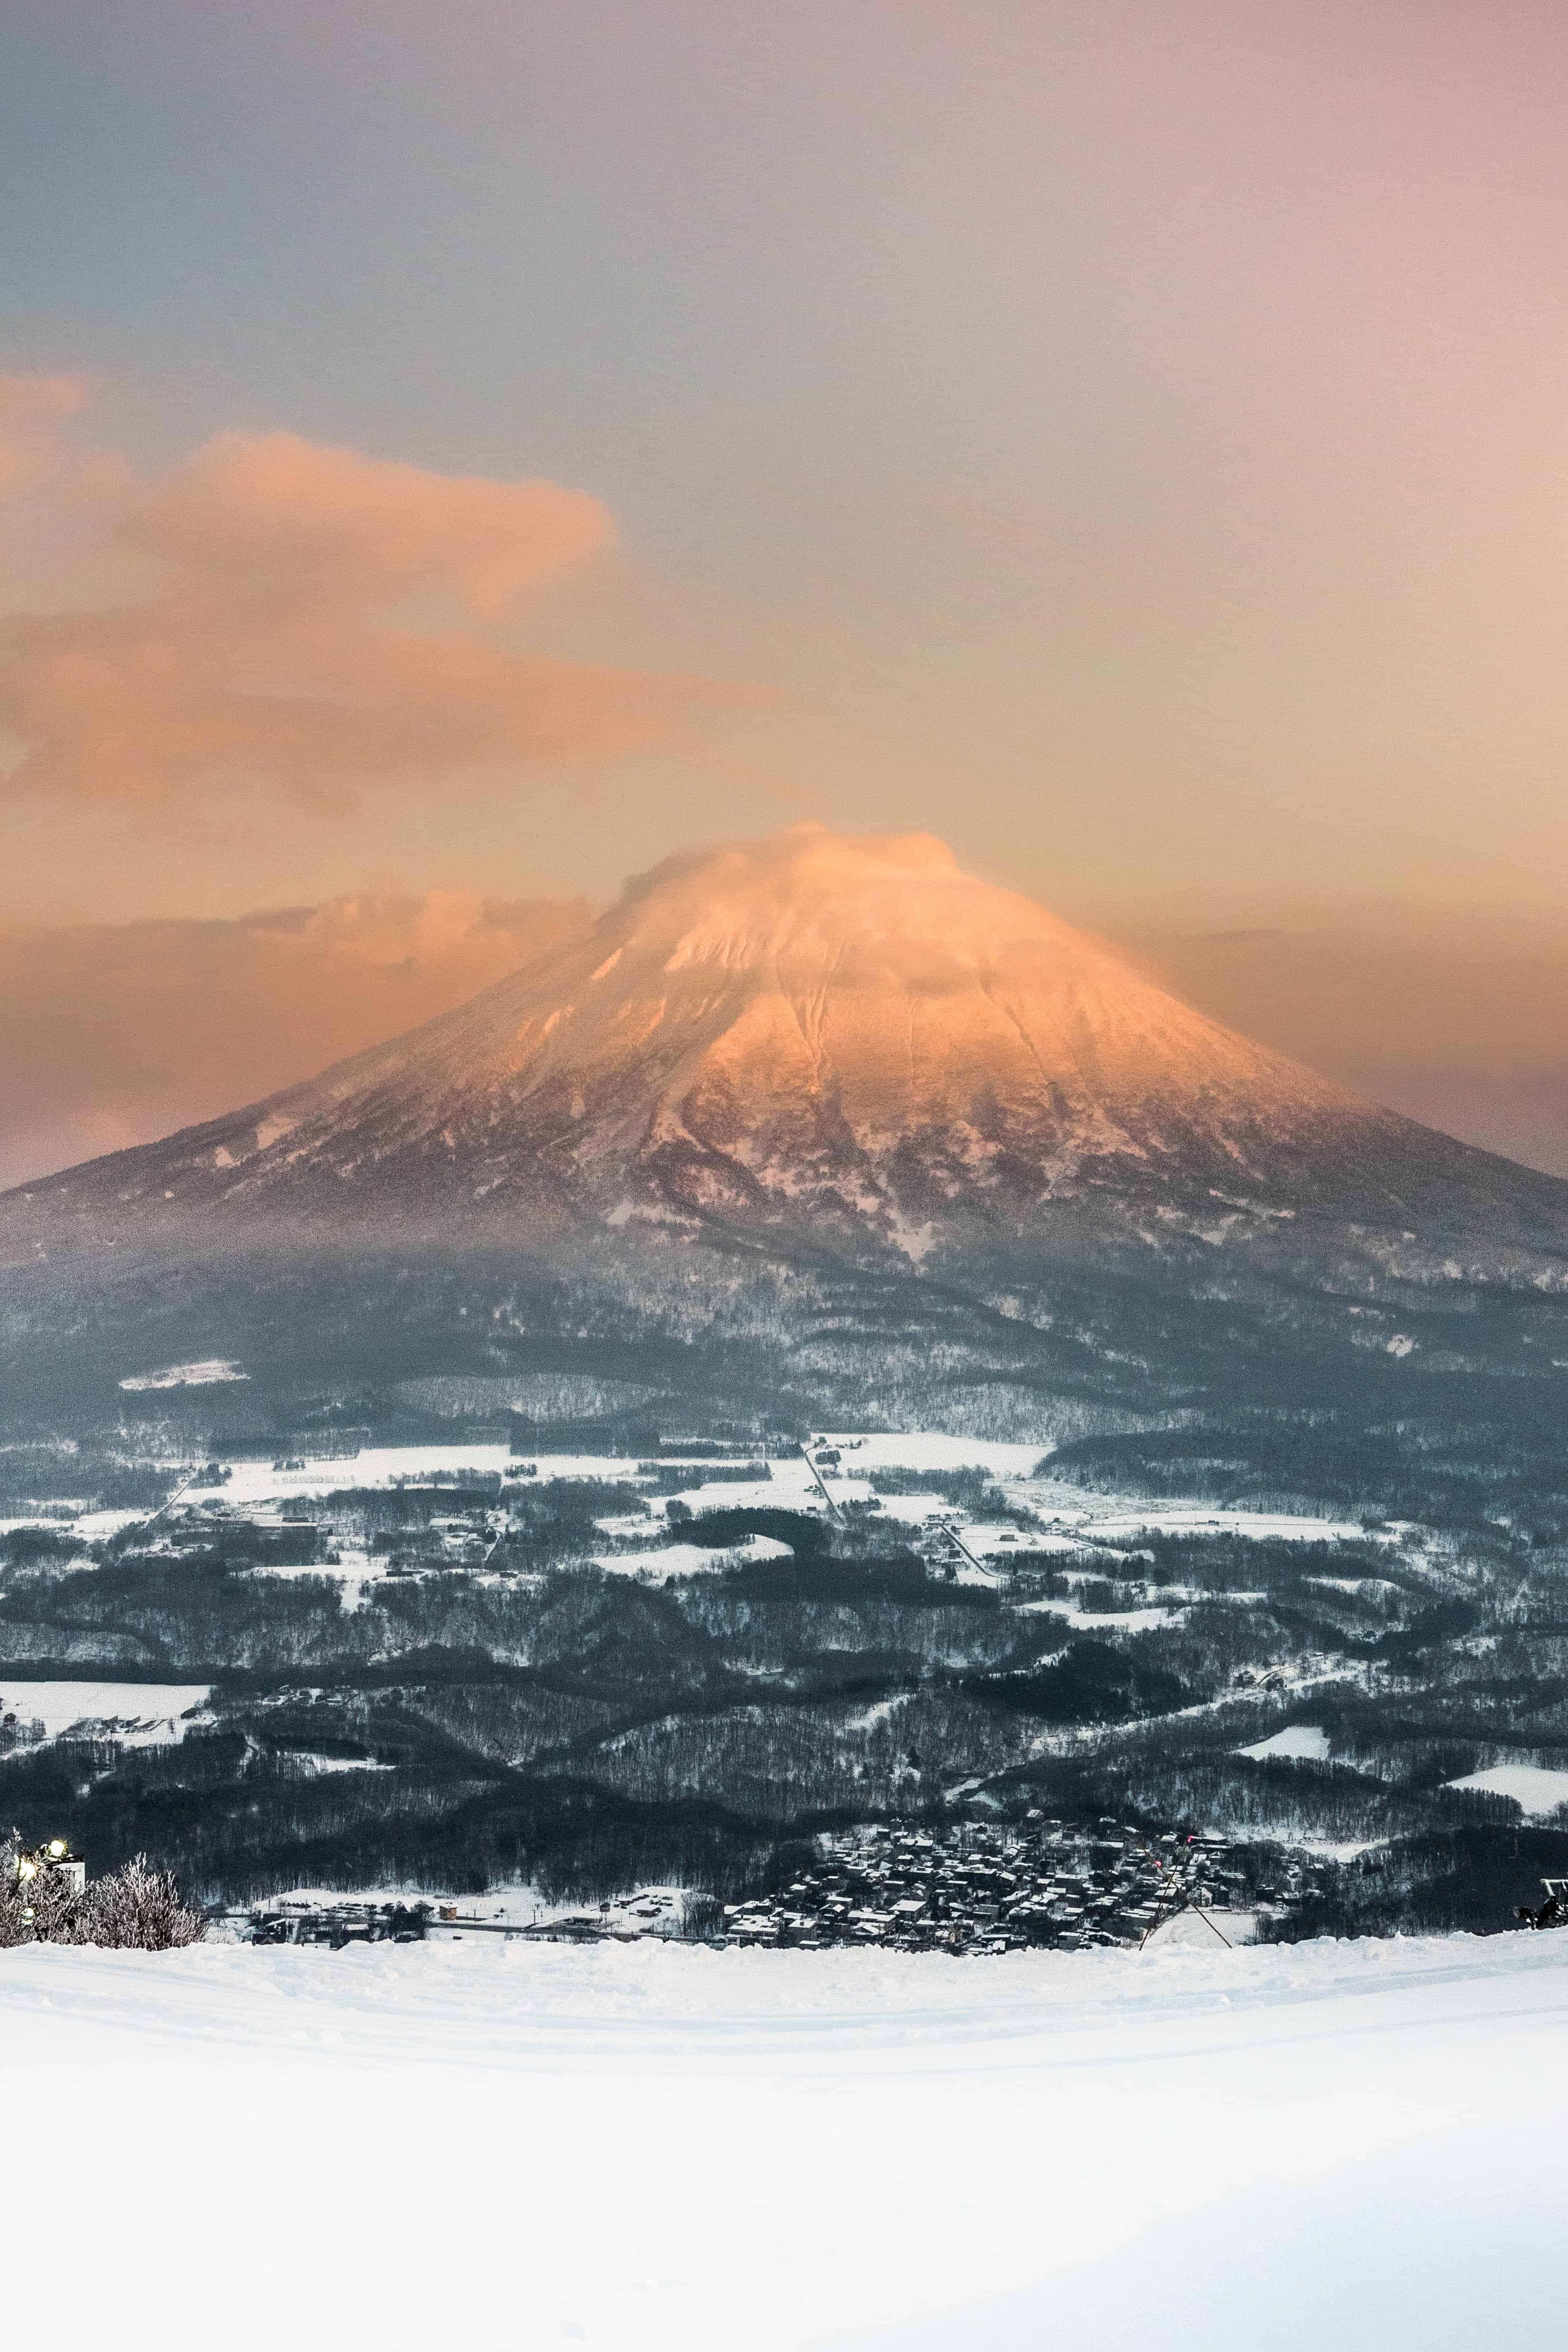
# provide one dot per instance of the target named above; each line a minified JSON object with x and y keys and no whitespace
{"x":978,"y":1887}
{"x":967,"y":1887}
{"x":293,"y":1920}
{"x":339,"y":1921}
{"x":16,"y":1731}
{"x":285,"y":1535}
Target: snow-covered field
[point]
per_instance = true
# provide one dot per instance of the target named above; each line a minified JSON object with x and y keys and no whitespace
{"x":1111,"y":1621}
{"x":1053,"y":1516}
{"x":213,"y":1372}
{"x":381,"y":1466}
{"x":1540,"y":1789}
{"x":1300,"y":1742}
{"x":930,"y":1449}
{"x":662,"y":1561}
{"x":1124,"y":1525}
{"x":144,"y":1715}
{"x":513,"y":2147}
{"x":791,"y":1486}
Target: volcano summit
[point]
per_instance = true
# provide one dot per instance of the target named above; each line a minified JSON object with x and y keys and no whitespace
{"x":798,"y":1030}
{"x":843,"y":1057}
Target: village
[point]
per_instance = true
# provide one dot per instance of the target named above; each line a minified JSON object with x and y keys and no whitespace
{"x":966,"y":1887}
{"x":977,"y":1888}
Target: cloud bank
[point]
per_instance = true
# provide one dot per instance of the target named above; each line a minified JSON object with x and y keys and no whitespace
{"x":113,"y":1034}
{"x":313,"y":623}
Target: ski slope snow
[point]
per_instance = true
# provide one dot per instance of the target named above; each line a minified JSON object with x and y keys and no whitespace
{"x":519,"y":2146}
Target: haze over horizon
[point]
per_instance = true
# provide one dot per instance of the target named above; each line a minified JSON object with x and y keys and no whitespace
{"x":446,"y":463}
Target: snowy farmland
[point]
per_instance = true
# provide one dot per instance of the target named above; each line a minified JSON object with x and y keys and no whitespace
{"x":532,"y":2146}
{"x":1067,"y":1519}
{"x":662,"y":1561}
{"x":1537,"y":1789}
{"x":135,"y":1714}
{"x":1299,"y":1742}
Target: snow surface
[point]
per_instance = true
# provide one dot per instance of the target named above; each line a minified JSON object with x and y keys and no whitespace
{"x":377,"y":1466}
{"x":1064,"y":1520}
{"x":99,"y":1527}
{"x":522,"y":2146}
{"x":145,"y":1715}
{"x":1256,"y":1527}
{"x":1103,"y":1621}
{"x":663,"y":1561}
{"x":1203,"y":1931}
{"x":930,"y":1449}
{"x":1305,"y":1742}
{"x":1538,"y":1788}
{"x":213,"y":1372}
{"x":790,"y":1485}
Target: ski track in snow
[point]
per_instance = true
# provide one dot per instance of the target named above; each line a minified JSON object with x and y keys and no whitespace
{"x":520,"y":2146}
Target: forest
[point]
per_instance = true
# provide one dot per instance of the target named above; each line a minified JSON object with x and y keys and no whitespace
{"x":547,"y":1719}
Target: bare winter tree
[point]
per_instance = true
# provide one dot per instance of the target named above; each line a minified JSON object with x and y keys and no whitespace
{"x":134,"y":1909}
{"x":137,"y":1909}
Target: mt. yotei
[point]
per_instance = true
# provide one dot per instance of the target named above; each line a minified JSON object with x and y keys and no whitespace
{"x":805,"y":1029}
{"x":819,"y":1101}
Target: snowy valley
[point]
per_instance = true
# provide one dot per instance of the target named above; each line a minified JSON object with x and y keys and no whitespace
{"x":443,"y":1668}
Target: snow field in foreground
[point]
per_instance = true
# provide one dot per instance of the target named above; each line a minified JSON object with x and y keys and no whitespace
{"x":1345,"y":2146}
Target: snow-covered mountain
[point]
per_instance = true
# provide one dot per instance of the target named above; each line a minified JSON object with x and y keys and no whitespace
{"x":811,"y":1033}
{"x":811,"y":1116}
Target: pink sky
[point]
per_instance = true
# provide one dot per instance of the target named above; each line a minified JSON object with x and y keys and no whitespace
{"x":476,"y":451}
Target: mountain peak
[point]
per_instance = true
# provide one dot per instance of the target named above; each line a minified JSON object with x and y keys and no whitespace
{"x":808,"y":1029}
{"x":806,"y":857}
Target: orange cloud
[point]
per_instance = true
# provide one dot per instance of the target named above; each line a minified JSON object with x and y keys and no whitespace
{"x":275,"y":651}
{"x":31,"y":406}
{"x":111,"y":1035}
